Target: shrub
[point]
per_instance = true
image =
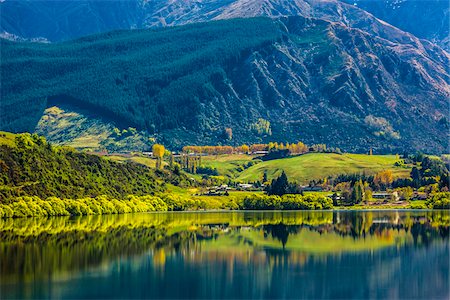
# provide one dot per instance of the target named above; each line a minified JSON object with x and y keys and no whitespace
{"x":439,"y":200}
{"x":287,"y":202}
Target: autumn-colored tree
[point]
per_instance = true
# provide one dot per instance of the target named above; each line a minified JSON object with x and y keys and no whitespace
{"x":245,"y":148}
{"x":298,"y":148}
{"x":258,"y":147}
{"x":384,"y":178}
{"x":158,"y":152}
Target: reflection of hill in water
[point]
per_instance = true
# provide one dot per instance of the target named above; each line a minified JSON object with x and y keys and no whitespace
{"x":42,"y":248}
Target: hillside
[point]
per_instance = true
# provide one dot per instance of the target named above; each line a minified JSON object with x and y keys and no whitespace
{"x":303,"y":168}
{"x":426,"y":19}
{"x":314,"y":81}
{"x":29,"y":166}
{"x":84,"y":130}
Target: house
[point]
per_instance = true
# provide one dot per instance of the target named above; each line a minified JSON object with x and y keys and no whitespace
{"x":245,"y":186}
{"x":224,"y":187}
{"x":335,"y":197}
{"x":260,"y":152}
{"x":419,"y":196}
{"x":386,"y":196}
{"x":312,"y":188}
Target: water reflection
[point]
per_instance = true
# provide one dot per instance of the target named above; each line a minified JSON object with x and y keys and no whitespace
{"x":375,"y":254}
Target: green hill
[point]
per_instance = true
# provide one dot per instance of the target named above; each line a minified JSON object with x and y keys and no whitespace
{"x":29,"y":166}
{"x":320,"y":165}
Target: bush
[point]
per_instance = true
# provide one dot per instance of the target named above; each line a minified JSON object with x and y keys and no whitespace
{"x":439,"y":200}
{"x":418,"y":205}
{"x":287,"y":202}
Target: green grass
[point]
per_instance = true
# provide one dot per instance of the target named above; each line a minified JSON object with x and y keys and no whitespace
{"x":7,"y":138}
{"x":146,"y":161}
{"x":320,"y":165}
{"x":227,"y":165}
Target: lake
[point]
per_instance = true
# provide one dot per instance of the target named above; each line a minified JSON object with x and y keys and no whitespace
{"x":289,"y":255}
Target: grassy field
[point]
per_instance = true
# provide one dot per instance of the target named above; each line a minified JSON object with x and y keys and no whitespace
{"x":227,"y":165}
{"x":146,"y":161}
{"x":320,"y":165}
{"x":301,"y":169}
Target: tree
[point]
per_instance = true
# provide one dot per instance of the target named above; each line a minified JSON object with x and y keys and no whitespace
{"x":279,"y":186}
{"x":265,"y":179}
{"x":346,"y":197}
{"x":416,"y":177}
{"x":357,"y":192}
{"x":158,"y":152}
{"x":383,"y":179}
{"x":405,"y":193}
{"x":367,"y":192}
{"x":171,"y":160}
{"x":245,"y":148}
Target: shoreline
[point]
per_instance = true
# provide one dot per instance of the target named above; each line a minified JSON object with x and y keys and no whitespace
{"x":208,"y":211}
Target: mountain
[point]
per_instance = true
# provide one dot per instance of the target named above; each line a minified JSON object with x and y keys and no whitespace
{"x":313,"y":80}
{"x":426,"y":19}
{"x":65,"y":20}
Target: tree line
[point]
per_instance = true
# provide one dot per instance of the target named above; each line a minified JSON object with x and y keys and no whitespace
{"x":293,"y":148}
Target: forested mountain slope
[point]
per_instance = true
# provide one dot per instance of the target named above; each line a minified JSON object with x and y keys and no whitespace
{"x":313,"y":80}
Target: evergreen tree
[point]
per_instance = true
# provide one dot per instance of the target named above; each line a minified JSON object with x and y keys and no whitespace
{"x":265,"y":179}
{"x":416,"y":177}
{"x":279,"y":186}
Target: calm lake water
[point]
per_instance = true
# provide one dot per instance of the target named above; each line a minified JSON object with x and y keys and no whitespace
{"x":292,"y":255}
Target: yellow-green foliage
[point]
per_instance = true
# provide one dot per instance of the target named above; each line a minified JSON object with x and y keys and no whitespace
{"x":35,"y":207}
{"x":439,"y":201}
{"x":287,"y":202}
{"x":33,"y":167}
{"x":7,"y":138}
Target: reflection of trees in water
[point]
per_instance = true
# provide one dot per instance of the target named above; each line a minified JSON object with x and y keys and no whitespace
{"x":280,"y":231}
{"x":32,"y":251}
{"x":360,"y":224}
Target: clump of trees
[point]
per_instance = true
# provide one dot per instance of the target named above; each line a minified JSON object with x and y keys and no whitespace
{"x":439,"y":201}
{"x":291,"y":149}
{"x":33,"y":206}
{"x":287,"y":202}
{"x":261,"y":127}
{"x":210,"y":150}
{"x":281,"y":186}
